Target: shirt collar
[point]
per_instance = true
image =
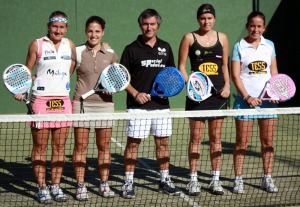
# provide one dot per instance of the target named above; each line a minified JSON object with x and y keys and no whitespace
{"x":141,"y":42}
{"x":46,"y":38}
{"x":245,"y":44}
{"x":88,"y":48}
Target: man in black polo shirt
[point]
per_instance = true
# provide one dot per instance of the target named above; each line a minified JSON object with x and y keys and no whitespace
{"x":144,"y":58}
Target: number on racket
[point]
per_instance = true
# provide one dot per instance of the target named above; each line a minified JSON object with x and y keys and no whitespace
{"x":168,"y":82}
{"x":114,"y":78}
{"x":280,"y":87}
{"x":17,"y":79}
{"x":199,"y":87}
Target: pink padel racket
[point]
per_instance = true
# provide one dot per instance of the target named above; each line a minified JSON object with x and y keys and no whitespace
{"x":280,"y":87}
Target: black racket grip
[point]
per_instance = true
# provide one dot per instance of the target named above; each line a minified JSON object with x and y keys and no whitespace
{"x":28,"y":105}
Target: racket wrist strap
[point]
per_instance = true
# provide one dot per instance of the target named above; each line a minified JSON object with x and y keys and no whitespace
{"x":136,"y":95}
{"x":247,"y":97}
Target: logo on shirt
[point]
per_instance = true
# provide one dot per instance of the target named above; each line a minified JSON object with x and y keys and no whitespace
{"x":258,"y":67}
{"x":50,"y":58}
{"x":66,"y":57}
{"x":207,"y":52}
{"x":56,"y":73}
{"x":68,"y":86}
{"x":48,"y":52}
{"x":152,"y":63}
{"x":162,"y":51}
{"x":209,"y":68}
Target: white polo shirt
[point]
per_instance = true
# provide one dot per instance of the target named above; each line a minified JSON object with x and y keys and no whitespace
{"x":255,"y":64}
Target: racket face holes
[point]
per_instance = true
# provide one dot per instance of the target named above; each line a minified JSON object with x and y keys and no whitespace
{"x":281,"y":87}
{"x":17,"y":78}
{"x":115,"y":78}
{"x":199,"y":87}
{"x":168,"y":82}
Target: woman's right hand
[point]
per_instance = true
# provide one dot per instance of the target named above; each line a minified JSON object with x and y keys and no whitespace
{"x":254,"y":101}
{"x":19,"y":96}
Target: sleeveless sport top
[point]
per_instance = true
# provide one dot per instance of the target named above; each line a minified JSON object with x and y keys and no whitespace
{"x":208,"y":60}
{"x":53,"y":68}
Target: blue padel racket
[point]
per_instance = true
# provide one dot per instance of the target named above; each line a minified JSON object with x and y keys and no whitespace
{"x":168,"y":82}
{"x":199,"y":87}
{"x":114,"y":78}
{"x":279,"y":87}
{"x":17,"y":79}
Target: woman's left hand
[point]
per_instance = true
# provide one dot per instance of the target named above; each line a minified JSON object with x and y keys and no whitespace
{"x":225,"y":93}
{"x":108,"y":93}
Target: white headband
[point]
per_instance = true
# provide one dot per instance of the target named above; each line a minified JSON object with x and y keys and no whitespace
{"x":58,"y":19}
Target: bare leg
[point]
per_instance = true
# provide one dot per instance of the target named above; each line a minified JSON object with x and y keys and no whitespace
{"x":104,"y":156}
{"x":266,"y":129}
{"x":131,"y":153}
{"x":79,"y":152}
{"x":59,"y":138}
{"x":196,"y":136}
{"x":162,"y":152}
{"x":38,"y":154}
{"x":243,"y":136}
{"x":215,"y":130}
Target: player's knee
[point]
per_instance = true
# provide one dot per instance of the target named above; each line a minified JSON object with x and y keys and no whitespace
{"x":78,"y":164}
{"x":194,"y":155}
{"x":132,"y":145}
{"x":267,"y":148}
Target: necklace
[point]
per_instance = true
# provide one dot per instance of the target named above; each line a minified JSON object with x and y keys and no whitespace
{"x":206,"y":40}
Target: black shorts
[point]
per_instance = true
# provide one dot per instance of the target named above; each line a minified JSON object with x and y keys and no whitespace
{"x":215,"y":102}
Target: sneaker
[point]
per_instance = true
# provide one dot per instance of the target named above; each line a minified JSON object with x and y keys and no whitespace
{"x":268,"y":185}
{"x":58,"y":194}
{"x":44,"y":196}
{"x":193,"y":188}
{"x":238,"y":186}
{"x":81,"y":193}
{"x":105,"y":191}
{"x":128,"y":190}
{"x":216,"y":187}
{"x":168,"y":187}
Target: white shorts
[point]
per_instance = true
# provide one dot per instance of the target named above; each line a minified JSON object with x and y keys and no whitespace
{"x":142,"y":128}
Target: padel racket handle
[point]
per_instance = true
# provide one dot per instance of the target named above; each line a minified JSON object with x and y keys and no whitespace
{"x":30,"y":111}
{"x":84,"y":96}
{"x":155,"y":91}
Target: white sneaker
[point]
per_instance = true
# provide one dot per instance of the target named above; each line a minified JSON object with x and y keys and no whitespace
{"x":168,"y":187}
{"x":238,"y":186}
{"x":44,"y":196}
{"x":267,"y":184}
{"x":81,"y":193}
{"x":58,"y":194}
{"x":128,"y":189}
{"x":105,"y":191}
{"x":193,"y":188}
{"x":216,"y":187}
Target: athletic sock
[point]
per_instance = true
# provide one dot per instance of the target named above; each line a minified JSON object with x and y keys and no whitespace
{"x":194,"y":177}
{"x":129,"y":176}
{"x":215,"y":174}
{"x":164,"y":174}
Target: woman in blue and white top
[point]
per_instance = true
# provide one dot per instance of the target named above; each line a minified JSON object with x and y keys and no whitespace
{"x":253,"y":63}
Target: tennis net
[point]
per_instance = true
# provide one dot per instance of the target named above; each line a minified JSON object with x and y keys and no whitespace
{"x":18,"y":186}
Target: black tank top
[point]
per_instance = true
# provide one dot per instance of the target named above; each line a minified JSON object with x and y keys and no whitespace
{"x":208,"y":60}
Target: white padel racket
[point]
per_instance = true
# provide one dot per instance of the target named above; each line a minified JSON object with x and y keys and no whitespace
{"x":199,"y":87}
{"x":114,"y":78}
{"x":17,"y":79}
